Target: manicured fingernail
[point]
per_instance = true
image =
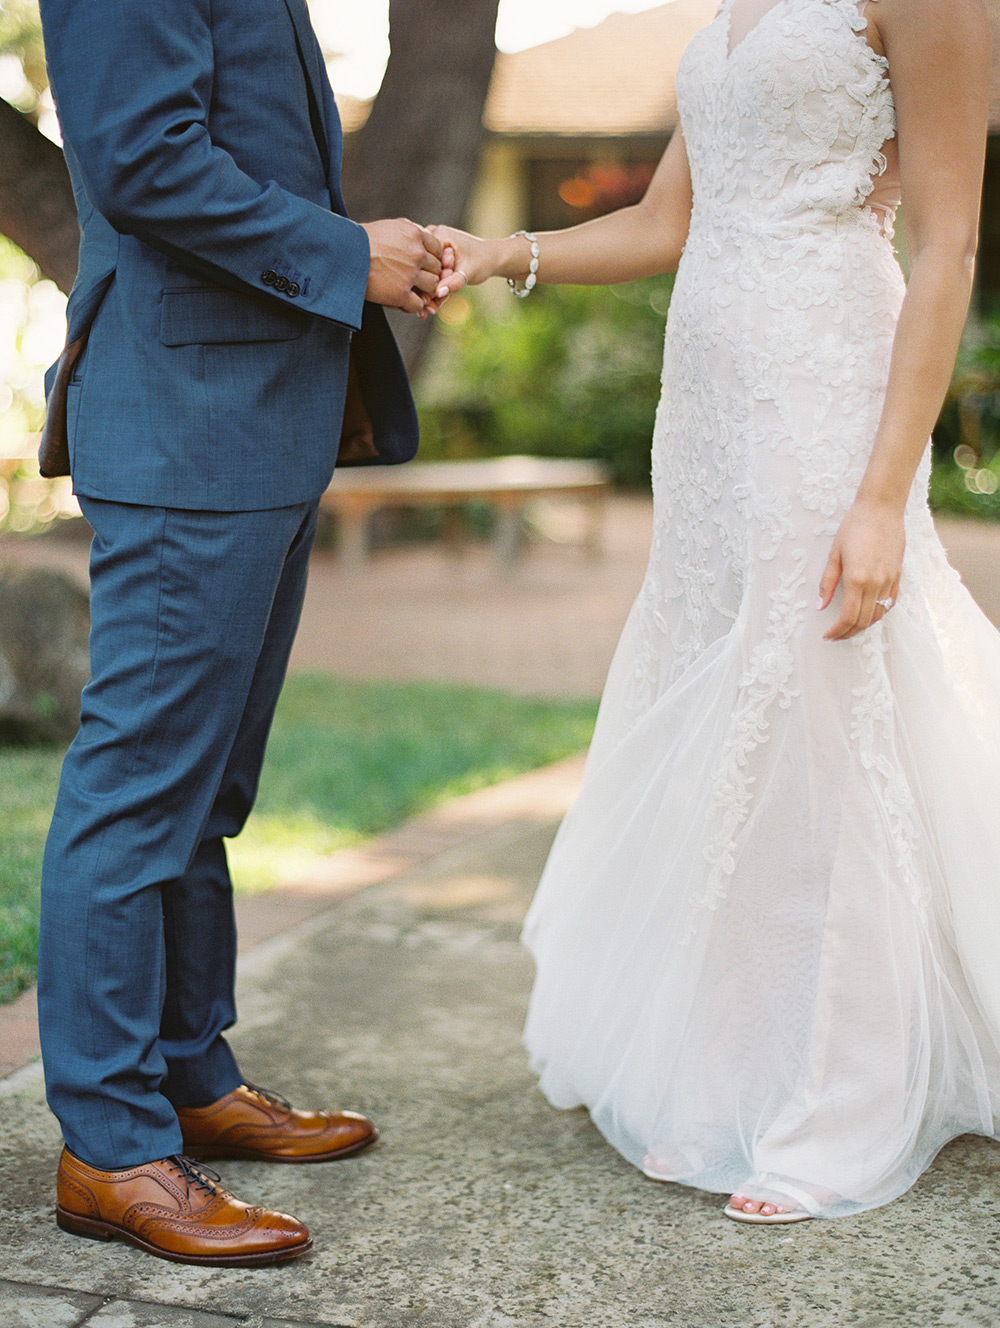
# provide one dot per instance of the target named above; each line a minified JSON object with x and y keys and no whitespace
{"x":819,"y":602}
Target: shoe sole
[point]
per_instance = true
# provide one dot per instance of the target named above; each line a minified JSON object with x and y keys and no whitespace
{"x":656,"y":1175}
{"x":92,"y":1229}
{"x":767,"y":1219}
{"x":206,"y":1153}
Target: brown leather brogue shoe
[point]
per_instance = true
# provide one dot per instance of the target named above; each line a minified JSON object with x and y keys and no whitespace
{"x":175,"y":1210}
{"x":251,"y":1122}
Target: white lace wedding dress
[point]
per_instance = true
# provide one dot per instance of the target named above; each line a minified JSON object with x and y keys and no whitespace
{"x":768,"y":936}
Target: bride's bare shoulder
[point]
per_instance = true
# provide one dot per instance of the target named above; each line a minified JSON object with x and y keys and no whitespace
{"x":962,"y":23}
{"x":939,"y":57}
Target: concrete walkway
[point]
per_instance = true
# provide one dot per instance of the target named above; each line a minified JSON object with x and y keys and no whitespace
{"x":482,"y":1207}
{"x":392,"y":981}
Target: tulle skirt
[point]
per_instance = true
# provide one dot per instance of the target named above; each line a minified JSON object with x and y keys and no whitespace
{"x":767,"y":937}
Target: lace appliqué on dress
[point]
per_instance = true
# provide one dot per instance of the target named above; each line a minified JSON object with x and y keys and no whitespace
{"x":782,"y":161}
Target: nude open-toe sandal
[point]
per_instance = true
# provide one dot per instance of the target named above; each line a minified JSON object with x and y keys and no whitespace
{"x":672,"y":1164}
{"x":767,"y":1219}
{"x":805,"y":1201}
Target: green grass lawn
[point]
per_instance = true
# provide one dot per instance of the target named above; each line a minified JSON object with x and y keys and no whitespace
{"x":346,"y":761}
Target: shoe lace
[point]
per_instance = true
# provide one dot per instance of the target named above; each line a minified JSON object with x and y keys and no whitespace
{"x":203,"y":1178}
{"x":275,"y":1099}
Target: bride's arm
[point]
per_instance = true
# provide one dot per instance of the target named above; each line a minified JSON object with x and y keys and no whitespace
{"x":637,"y":241}
{"x":939,"y":63}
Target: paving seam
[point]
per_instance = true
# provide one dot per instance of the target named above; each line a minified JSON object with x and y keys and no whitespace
{"x":88,"y":1317}
{"x":47,"y":1291}
{"x":175,"y":1311}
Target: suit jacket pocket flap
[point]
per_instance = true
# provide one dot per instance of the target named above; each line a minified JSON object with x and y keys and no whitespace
{"x":203,"y":317}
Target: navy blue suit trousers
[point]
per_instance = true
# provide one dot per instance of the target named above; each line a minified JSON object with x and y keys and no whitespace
{"x":194,"y":613}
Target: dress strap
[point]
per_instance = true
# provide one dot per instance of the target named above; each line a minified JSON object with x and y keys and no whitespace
{"x":854,"y":11}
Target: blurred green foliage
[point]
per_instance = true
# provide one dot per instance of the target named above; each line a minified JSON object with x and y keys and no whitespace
{"x":966,"y":475}
{"x":27,"y":303}
{"x":31,"y":309}
{"x":570,"y":372}
{"x":32,"y":323}
{"x":28,"y":779}
{"x":21,"y":37}
{"x":22,"y":408}
{"x":575,"y":372}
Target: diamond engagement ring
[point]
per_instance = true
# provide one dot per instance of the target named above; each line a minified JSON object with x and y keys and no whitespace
{"x":885,"y":604}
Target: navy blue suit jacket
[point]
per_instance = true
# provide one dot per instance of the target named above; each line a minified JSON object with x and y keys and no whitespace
{"x":220,"y":280}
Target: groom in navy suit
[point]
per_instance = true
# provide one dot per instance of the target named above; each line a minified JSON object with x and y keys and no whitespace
{"x":225,"y":311}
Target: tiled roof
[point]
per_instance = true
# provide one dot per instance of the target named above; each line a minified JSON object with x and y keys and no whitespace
{"x":613,"y":79}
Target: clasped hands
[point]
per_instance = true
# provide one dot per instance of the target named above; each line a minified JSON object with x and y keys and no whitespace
{"x":415,"y":268}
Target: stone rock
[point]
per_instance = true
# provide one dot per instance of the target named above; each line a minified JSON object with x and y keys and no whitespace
{"x":44,"y":655}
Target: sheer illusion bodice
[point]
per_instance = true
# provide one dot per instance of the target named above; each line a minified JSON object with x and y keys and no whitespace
{"x":747,"y":20}
{"x":765,"y":935}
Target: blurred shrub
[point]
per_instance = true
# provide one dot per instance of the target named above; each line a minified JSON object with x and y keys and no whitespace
{"x":23,"y":79}
{"x":575,"y":372}
{"x":966,"y":475}
{"x":571,"y":372}
{"x":32,"y":327}
{"x":32,"y":309}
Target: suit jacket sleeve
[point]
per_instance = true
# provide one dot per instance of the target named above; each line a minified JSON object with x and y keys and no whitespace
{"x":132,"y":81}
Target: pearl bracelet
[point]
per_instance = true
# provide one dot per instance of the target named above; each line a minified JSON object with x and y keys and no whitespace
{"x":532,"y":280}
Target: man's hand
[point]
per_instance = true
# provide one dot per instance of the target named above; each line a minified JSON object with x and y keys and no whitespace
{"x":405,"y":265}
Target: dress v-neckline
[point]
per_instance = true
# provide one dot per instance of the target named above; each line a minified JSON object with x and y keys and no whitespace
{"x":730,"y":52}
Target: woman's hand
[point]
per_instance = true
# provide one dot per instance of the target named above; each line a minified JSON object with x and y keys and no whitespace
{"x":867,"y":560}
{"x":473,"y":260}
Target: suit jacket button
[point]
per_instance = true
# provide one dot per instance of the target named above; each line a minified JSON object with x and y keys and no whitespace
{"x":294,"y":290}
{"x":281,"y":284}
{"x":269,"y":277}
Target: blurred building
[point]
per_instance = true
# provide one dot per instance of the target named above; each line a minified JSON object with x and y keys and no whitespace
{"x":576,"y":126}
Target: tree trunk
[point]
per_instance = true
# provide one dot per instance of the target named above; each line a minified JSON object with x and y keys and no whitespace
{"x":37,"y":210}
{"x":418,"y":154}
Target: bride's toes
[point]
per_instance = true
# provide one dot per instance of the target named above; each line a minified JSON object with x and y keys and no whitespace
{"x":744,"y":1205}
{"x":781,"y":1208}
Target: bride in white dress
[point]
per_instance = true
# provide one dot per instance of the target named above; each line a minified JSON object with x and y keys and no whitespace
{"x":767,"y":935}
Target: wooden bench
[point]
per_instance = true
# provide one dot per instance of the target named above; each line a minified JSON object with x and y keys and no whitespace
{"x":509,"y":484}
